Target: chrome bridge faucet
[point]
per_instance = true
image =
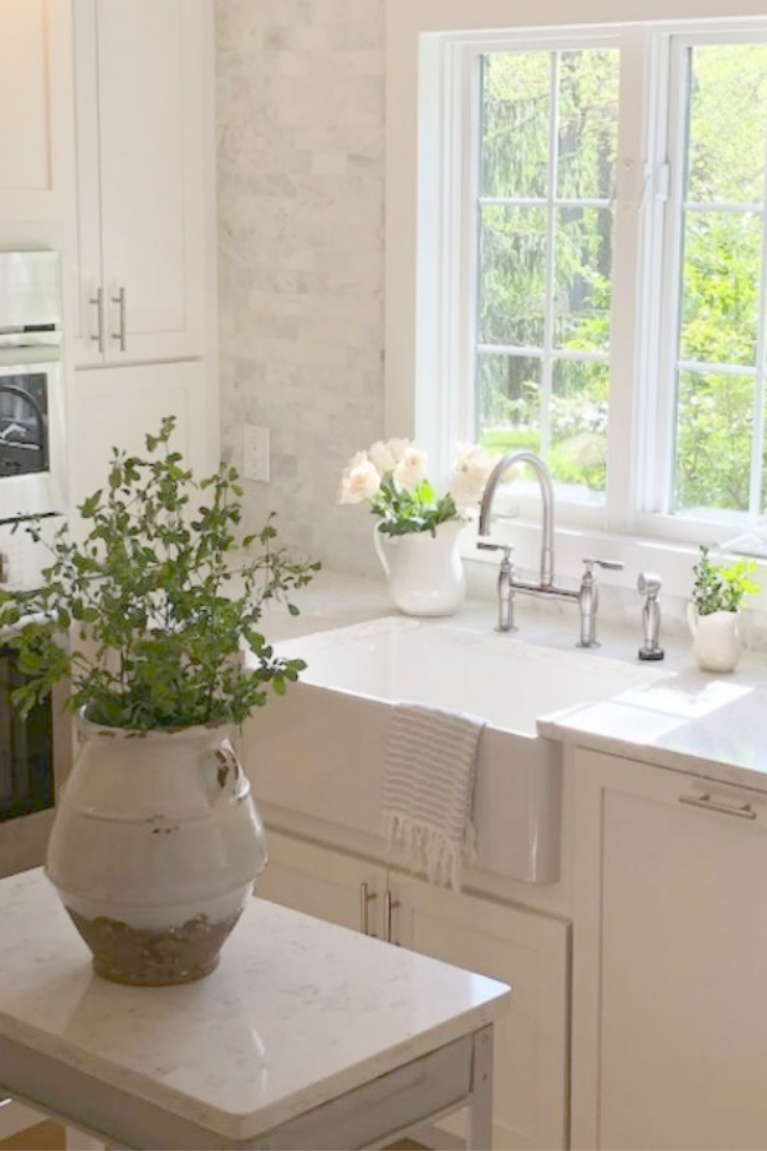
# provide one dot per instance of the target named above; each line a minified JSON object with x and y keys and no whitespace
{"x":587,"y":595}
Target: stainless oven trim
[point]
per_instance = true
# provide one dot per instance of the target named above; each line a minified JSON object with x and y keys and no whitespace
{"x":30,"y":342}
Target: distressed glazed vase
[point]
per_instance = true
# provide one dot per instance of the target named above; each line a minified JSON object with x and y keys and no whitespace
{"x":425,"y":571}
{"x":715,"y":639}
{"x":154,"y":849}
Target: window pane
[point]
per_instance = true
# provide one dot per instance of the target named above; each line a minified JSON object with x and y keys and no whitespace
{"x":512,"y":276}
{"x":579,"y":425}
{"x":509,"y":402}
{"x":720,"y":287}
{"x":714,"y":428}
{"x":516,"y":106}
{"x":588,"y":124}
{"x":582,"y":289}
{"x":728,"y":96}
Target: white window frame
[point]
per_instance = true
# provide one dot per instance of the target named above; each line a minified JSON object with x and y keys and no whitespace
{"x":429,"y":45}
{"x":656,"y":517}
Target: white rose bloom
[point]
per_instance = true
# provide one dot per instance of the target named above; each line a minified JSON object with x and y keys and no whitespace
{"x":357,"y":459}
{"x":382,"y":457}
{"x":397,"y":449}
{"x":411,"y":470}
{"x":470,"y":475}
{"x":359,"y":483}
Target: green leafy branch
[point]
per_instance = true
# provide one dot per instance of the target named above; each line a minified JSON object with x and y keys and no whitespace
{"x":401,"y":511}
{"x":157,"y":635}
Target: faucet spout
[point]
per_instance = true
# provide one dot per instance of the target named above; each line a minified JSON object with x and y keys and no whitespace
{"x":547,"y":497}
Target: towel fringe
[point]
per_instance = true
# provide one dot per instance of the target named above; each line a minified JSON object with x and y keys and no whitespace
{"x":427,"y":848}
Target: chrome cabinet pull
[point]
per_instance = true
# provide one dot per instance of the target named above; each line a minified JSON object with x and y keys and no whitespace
{"x":366,"y":898}
{"x":390,"y":905}
{"x":98,"y":303}
{"x":119,"y":335}
{"x":739,"y":810}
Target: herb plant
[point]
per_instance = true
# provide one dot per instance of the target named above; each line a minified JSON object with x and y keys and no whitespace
{"x":156,"y":640}
{"x":719,"y":587}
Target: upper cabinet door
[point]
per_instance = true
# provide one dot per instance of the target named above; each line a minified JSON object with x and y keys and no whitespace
{"x":142,"y":81}
{"x":36,"y":123}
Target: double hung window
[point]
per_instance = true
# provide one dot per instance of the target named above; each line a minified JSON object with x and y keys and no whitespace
{"x":602,"y":208}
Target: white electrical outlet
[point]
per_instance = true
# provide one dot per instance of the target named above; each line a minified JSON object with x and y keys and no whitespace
{"x":255,"y":453}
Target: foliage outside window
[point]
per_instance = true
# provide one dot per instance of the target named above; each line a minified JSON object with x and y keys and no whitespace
{"x":719,"y":210}
{"x":551,"y":136}
{"x":547,"y":169}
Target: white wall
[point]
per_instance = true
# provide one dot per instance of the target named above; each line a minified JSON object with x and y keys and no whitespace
{"x":300,"y":115}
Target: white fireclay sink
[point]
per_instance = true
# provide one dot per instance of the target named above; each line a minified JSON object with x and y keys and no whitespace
{"x":319,"y":751}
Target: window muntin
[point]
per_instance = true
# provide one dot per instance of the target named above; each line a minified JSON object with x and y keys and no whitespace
{"x":547,"y":153}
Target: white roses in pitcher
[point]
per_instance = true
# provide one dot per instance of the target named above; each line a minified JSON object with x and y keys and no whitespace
{"x":392,"y":476}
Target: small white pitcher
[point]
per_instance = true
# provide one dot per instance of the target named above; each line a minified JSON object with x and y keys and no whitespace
{"x":425,"y":572}
{"x":715,"y":639}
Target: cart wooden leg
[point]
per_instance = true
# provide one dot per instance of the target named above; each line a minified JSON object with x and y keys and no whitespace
{"x":480,"y":1132}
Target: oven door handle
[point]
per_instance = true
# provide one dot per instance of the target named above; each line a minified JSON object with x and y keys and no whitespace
{"x":28,"y":398}
{"x":26,"y":357}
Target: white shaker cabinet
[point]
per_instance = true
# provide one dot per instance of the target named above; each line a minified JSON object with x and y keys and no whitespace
{"x":528,"y":950}
{"x":332,"y":886}
{"x":36,"y":124}
{"x":144,"y":94}
{"x":669,"y":991}
{"x":117,"y":407}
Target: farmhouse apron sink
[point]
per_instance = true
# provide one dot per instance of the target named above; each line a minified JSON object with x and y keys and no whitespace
{"x":320,"y":750}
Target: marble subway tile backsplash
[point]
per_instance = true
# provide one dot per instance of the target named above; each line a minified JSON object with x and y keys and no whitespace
{"x":300,"y":125}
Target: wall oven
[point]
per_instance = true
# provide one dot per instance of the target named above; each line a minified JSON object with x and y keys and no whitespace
{"x":35,"y":756}
{"x":26,"y":748}
{"x":32,"y":463}
{"x":34,"y":752}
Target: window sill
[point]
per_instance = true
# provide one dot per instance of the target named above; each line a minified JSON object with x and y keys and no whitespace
{"x":671,"y":561}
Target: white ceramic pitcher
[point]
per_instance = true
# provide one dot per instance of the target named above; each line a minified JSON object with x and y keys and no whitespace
{"x":424,"y":571}
{"x":715,"y":639}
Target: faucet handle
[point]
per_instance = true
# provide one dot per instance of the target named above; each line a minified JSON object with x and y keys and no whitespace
{"x":608,"y":565}
{"x":490,"y":547}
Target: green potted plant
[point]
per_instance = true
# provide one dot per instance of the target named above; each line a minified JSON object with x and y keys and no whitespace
{"x":713,"y":615}
{"x":156,"y":841}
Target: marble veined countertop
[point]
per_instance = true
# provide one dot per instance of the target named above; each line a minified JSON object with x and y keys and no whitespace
{"x":297,"y":1013}
{"x":687,"y":720}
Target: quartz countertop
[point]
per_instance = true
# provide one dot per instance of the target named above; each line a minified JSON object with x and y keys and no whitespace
{"x":708,"y":725}
{"x":297,"y":1013}
{"x":686,"y":720}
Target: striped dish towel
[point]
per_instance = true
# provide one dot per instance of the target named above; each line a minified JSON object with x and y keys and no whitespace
{"x":428,"y":787}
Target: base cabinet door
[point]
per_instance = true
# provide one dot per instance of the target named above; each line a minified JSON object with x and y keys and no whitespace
{"x":531,"y":953}
{"x":670,"y":995}
{"x":328,"y":884}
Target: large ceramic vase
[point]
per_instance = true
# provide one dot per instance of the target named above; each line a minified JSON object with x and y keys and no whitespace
{"x":425,"y":571}
{"x":154,"y":849}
